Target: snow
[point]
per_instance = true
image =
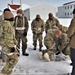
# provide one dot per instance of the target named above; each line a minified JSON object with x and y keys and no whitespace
{"x":32,"y":65}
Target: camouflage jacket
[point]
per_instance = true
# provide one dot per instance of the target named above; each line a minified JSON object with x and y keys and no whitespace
{"x":50,"y":34}
{"x":37,"y":26}
{"x":8,"y":33}
{"x":50,"y":23}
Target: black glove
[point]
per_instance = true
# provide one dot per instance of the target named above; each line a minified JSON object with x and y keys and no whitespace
{"x":12,"y":49}
{"x":25,"y":33}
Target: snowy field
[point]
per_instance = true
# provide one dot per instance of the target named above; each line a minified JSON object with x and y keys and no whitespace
{"x":32,"y":65}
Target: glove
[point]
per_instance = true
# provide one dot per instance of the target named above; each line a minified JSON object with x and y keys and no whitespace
{"x":25,"y":33}
{"x":12,"y":49}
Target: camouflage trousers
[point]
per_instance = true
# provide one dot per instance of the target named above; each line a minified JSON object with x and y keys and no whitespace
{"x":49,"y":51}
{"x":39,"y":38}
{"x":24,"y":42}
{"x":11,"y":61}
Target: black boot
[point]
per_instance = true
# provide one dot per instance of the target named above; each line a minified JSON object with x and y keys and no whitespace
{"x":25,"y":54}
{"x":71,"y":64}
{"x":40,"y":49}
{"x":34,"y":47}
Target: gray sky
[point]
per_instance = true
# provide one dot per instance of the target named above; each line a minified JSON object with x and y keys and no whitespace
{"x":53,"y":3}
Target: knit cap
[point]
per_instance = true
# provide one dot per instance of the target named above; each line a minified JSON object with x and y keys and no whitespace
{"x":8,"y":15}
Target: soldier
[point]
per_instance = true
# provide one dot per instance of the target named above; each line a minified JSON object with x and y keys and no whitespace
{"x":71,"y":35}
{"x":2,"y":18}
{"x":53,"y":40}
{"x":64,"y":40}
{"x":52,"y":21}
{"x":37,"y":27}
{"x":49,"y":38}
{"x":8,"y":43}
{"x":21,"y":28}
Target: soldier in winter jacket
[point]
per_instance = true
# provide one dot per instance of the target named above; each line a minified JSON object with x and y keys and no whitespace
{"x":37,"y":27}
{"x":21,"y":29}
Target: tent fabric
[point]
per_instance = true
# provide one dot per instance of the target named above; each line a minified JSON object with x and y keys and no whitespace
{"x":14,"y":6}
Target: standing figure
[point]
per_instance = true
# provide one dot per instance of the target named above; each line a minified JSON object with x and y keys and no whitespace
{"x":71,"y":35}
{"x":8,"y":43}
{"x":52,"y":21}
{"x":37,"y":27}
{"x":21,"y":28}
{"x":2,"y":18}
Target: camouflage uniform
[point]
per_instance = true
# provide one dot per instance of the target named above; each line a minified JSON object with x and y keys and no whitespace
{"x":54,"y":44}
{"x":37,"y":29}
{"x":21,"y":21}
{"x":2,"y":18}
{"x":49,"y":38}
{"x":8,"y":44}
{"x":53,"y":47}
{"x":51,"y":22}
{"x":64,"y":40}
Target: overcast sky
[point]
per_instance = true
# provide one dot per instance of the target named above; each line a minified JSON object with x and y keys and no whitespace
{"x":53,"y":3}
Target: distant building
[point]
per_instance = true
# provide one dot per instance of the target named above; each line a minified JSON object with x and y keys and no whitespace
{"x":65,"y":11}
{"x":43,"y":9}
{"x":24,"y":7}
{"x":31,"y":11}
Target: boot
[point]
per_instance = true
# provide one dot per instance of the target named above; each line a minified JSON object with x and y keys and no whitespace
{"x":71,"y":64}
{"x":40,"y":55}
{"x":40,"y":49}
{"x":46,"y":56}
{"x":25,"y":54}
{"x":34,"y":47}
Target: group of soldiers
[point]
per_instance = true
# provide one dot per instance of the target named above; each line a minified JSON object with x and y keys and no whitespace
{"x":15,"y":29}
{"x":55,"y":40}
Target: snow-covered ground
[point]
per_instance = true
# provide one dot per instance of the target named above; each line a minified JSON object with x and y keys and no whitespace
{"x":32,"y":65}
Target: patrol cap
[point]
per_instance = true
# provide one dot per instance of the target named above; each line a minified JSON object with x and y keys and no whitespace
{"x":20,"y":11}
{"x":8,"y":15}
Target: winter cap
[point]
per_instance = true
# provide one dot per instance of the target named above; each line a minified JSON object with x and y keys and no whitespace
{"x":6,"y":9}
{"x":20,"y":11}
{"x":8,"y":15}
{"x":73,"y":11}
{"x":50,"y":15}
